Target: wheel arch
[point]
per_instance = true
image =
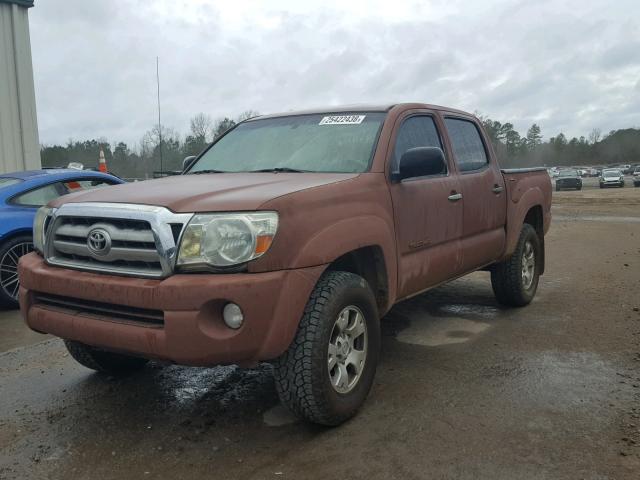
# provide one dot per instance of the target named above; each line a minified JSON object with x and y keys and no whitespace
{"x":362,"y":245}
{"x":15,"y":233}
{"x":367,"y":262}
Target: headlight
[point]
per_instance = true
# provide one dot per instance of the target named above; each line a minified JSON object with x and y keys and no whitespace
{"x":226,"y":239}
{"x":39,"y":227}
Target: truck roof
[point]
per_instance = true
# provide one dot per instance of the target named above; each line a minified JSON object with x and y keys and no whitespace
{"x":361,"y":107}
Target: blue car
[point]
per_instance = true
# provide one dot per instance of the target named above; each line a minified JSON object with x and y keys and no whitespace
{"x":21,"y":194}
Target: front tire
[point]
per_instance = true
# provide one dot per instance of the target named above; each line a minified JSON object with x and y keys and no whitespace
{"x":102,"y":361}
{"x":327,"y":372}
{"x":515,"y":280}
{"x":10,"y":253}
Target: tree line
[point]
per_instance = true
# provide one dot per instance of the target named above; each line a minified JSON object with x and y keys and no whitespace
{"x":532,"y":150}
{"x":163,"y":149}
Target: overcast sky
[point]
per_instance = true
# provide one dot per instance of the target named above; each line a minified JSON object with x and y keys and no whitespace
{"x":570,"y":65}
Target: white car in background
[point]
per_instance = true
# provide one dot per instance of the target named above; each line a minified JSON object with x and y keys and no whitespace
{"x":612,"y":177}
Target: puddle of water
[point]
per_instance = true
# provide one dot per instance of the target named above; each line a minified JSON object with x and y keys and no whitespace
{"x":483,"y":311}
{"x":433,"y":332}
{"x":193,"y":383}
{"x":597,"y":218}
{"x":279,"y":416}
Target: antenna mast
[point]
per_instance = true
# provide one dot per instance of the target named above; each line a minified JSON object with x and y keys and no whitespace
{"x":159,"y":122}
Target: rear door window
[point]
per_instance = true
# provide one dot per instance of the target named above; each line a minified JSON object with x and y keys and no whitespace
{"x":40,"y":196}
{"x":72,"y":186}
{"x":7,"y":181}
{"x":418,"y":131}
{"x":467,"y":144}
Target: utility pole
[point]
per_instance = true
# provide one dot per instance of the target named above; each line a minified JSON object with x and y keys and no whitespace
{"x":159,"y":120}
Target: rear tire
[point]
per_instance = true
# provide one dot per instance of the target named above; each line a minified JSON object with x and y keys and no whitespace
{"x":515,"y":280}
{"x":10,"y":253}
{"x":103,"y":361}
{"x":327,"y":372}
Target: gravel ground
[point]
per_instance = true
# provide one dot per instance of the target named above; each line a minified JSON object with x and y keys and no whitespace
{"x":465,"y":389}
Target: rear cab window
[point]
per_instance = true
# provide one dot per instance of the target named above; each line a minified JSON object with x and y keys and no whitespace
{"x":468,"y":148}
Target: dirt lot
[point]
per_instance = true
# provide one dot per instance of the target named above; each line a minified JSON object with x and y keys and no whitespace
{"x":465,"y":389}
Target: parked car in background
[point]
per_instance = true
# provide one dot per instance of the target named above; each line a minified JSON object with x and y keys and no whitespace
{"x":611,"y":177}
{"x":21,"y":194}
{"x":568,"y":179}
{"x":636,"y":177}
{"x":626,"y":169}
{"x":553,"y":171}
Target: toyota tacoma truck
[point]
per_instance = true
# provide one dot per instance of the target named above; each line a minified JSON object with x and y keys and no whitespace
{"x":286,"y":241}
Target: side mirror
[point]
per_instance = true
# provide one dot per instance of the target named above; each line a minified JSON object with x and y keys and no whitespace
{"x":421,"y":162}
{"x":187,"y":162}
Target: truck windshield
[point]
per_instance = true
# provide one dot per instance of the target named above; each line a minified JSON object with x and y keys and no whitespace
{"x":342,"y":143}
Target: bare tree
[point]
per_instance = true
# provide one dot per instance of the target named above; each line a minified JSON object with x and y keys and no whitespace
{"x":247,"y":114}
{"x":594,"y":136}
{"x":201,"y":126}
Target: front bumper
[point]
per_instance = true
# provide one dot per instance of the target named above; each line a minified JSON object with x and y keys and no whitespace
{"x":611,"y":183}
{"x":192,"y":332}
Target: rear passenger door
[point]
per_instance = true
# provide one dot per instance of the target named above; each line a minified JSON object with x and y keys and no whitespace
{"x":428,"y":222}
{"x":483,"y":194}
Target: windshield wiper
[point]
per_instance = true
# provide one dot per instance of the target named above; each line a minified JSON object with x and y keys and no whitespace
{"x":279,"y":169}
{"x":205,"y":171}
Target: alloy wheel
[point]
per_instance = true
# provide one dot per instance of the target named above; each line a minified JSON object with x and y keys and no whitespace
{"x":9,"y":281}
{"x":347,"y":349}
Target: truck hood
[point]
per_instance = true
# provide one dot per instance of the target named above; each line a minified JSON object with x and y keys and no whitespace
{"x":207,"y":192}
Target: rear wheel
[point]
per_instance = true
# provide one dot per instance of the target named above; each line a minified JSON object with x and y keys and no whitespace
{"x":327,"y":372}
{"x":10,"y":253}
{"x":103,"y":361}
{"x":515,"y":280}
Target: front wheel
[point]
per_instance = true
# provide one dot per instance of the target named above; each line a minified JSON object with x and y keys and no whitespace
{"x":327,"y":372}
{"x":515,"y":280}
{"x":102,"y":361}
{"x":10,"y":253}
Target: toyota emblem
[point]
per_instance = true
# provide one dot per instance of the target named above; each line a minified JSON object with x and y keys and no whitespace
{"x":99,"y":241}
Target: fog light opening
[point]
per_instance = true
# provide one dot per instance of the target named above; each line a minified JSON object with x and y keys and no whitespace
{"x":232,"y":315}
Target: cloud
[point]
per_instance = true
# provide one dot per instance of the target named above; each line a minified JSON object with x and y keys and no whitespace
{"x":569,"y":66}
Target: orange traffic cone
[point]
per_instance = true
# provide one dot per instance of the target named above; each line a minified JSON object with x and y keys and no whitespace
{"x":102,"y":163}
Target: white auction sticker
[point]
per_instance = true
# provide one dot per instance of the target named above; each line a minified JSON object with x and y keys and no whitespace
{"x":342,"y":120}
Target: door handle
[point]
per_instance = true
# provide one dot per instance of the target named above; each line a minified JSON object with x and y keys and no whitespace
{"x":454,"y":197}
{"x":497,"y":189}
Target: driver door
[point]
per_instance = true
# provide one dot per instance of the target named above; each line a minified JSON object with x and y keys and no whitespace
{"x":427,"y":210}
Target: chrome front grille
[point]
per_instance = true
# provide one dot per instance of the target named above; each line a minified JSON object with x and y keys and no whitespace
{"x":134,"y":240}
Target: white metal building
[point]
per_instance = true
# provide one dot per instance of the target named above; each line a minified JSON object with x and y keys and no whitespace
{"x":19,"y":147}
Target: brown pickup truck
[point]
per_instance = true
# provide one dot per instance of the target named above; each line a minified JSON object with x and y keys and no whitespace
{"x":286,"y":240}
